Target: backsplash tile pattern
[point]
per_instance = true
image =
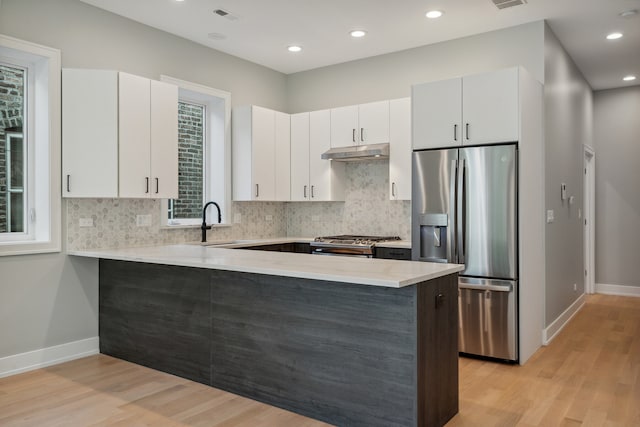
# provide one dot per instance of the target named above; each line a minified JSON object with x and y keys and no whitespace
{"x":115,"y":224}
{"x":366,"y":210}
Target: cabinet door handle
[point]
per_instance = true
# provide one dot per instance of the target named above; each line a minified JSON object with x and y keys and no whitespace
{"x":440,"y":300}
{"x":146,"y":178}
{"x":305,"y":191}
{"x":157,"y":185}
{"x":455,"y":132}
{"x":467,"y":131}
{"x":257,"y":190}
{"x":312,"y":196}
{"x":393,"y":189}
{"x":68,"y":183}
{"x":362,"y":134}
{"x":353,"y":135}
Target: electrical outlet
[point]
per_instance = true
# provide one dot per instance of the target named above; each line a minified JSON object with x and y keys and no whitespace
{"x":575,"y":287}
{"x":86,"y":222}
{"x":315,"y":218}
{"x":237,"y":218}
{"x":143,"y":220}
{"x":268,"y":218}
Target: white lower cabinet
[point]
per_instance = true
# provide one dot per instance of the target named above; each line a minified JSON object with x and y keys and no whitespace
{"x":400,"y":149}
{"x":120,"y":135}
{"x":312,"y":178}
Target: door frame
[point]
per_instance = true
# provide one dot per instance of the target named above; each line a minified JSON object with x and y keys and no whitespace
{"x":589,"y":216}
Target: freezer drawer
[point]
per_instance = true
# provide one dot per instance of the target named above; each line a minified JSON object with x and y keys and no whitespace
{"x":487,"y":310}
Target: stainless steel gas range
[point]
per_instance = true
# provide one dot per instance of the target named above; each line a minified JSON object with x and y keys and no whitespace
{"x":348,"y":245}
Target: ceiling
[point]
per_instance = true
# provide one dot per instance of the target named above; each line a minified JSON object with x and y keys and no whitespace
{"x":262,"y":30}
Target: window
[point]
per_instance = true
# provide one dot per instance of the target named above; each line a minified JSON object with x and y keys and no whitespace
{"x":204,"y":155}
{"x":29,"y":147}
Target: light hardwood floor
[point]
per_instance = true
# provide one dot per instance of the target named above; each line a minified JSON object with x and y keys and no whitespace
{"x":589,"y":375}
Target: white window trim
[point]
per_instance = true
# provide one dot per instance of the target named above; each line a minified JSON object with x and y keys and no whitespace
{"x":197,"y":93}
{"x":46,"y":71}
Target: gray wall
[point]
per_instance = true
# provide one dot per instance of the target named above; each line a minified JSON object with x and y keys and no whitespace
{"x":391,"y":76}
{"x":617,"y":144}
{"x":47,"y":300}
{"x":568,"y":125}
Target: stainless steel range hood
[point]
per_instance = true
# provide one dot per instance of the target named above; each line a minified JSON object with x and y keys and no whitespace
{"x":356,"y":153}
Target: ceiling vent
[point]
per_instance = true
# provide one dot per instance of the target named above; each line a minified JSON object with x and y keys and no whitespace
{"x":503,"y":4}
{"x":225,"y":14}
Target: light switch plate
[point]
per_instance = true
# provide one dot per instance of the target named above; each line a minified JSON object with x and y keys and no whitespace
{"x":550,"y":217}
{"x":86,"y":222}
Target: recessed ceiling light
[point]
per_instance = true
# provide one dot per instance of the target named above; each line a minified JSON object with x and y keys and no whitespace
{"x":294,"y":49}
{"x":358,"y":33}
{"x":629,"y":78}
{"x":614,"y":36}
{"x":179,"y":1}
{"x":432,"y":14}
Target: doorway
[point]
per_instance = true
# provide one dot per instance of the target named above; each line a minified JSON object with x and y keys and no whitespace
{"x":589,"y":222}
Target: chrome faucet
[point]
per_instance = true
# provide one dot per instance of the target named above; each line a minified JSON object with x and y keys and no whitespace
{"x":204,"y":227}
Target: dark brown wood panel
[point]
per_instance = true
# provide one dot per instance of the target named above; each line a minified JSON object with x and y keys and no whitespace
{"x":337,"y":352}
{"x":438,"y":350}
{"x":157,"y":316}
{"x":393,"y":253}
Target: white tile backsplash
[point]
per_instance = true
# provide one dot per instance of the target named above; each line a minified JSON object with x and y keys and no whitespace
{"x":366,"y":210}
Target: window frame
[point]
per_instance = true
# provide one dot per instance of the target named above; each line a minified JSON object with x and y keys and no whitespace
{"x":217,"y":160}
{"x":43,"y":135}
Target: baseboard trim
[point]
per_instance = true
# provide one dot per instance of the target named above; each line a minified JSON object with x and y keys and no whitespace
{"x":557,"y":325}
{"x":620,"y":290}
{"x":16,"y":364}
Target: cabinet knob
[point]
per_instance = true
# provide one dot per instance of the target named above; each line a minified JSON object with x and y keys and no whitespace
{"x":440,"y":300}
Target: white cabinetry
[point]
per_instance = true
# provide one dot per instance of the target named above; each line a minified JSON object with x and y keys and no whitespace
{"x":283,"y":156}
{"x":472,"y":110}
{"x":261,"y":162}
{"x":314,"y":179}
{"x":400,"y":149}
{"x":89,"y":133}
{"x":120,"y":135}
{"x":360,"y":124}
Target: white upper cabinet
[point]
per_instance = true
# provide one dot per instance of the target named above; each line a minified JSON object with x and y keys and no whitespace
{"x":436,"y":114}
{"x":400,"y":149}
{"x":360,"y":124}
{"x":300,"y":157}
{"x":261,"y":154}
{"x":164,"y":140}
{"x":472,"y":110}
{"x":490,"y":107}
{"x":326,"y":178}
{"x":283,"y":156}
{"x":89,"y":133}
{"x":120,"y":136}
{"x":148,"y":133}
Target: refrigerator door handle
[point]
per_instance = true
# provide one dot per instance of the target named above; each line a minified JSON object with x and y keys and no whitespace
{"x":452,"y":253}
{"x":461,"y":211}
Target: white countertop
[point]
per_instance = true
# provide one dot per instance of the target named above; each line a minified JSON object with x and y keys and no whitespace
{"x":365,"y":271}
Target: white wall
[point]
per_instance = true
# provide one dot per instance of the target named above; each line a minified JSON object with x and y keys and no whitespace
{"x":47,"y":300}
{"x":391,"y":76}
{"x":617,"y":144}
{"x":568,"y":125}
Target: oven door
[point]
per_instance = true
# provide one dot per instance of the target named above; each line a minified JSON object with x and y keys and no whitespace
{"x":359,"y":252}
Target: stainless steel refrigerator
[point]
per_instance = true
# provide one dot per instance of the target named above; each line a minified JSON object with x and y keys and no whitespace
{"x":464,"y":210}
